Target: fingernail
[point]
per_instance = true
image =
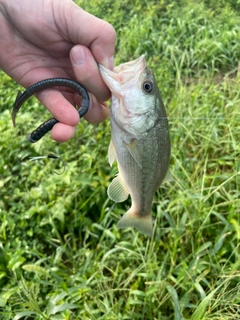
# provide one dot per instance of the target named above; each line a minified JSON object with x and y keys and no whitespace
{"x":111,"y":63}
{"x":78,"y":56}
{"x":108,"y":63}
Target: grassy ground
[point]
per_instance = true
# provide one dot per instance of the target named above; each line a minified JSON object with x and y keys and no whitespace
{"x":61,"y":255}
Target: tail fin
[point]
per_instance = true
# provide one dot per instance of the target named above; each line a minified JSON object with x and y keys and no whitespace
{"x":143,"y":224}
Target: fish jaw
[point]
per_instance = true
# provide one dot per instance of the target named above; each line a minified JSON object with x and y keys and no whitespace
{"x":130,"y":104}
{"x":124,"y":75}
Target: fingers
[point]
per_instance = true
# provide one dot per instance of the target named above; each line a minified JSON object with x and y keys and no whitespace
{"x":83,"y":28}
{"x":94,"y":42}
{"x":67,"y":115}
{"x":97,"y":112}
{"x":65,"y":111}
{"x":62,"y":132}
{"x":87,"y":73}
{"x":59,"y":106}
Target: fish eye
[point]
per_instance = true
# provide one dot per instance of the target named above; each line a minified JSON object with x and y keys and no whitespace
{"x":147,"y":86}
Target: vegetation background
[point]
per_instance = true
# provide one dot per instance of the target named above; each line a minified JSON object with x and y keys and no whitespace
{"x":61,"y":255}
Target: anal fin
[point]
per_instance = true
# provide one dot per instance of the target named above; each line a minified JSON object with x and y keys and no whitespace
{"x":169,"y":177}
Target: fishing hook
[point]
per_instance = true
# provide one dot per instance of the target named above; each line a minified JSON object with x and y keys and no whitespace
{"x":48,"y":83}
{"x":50,"y":156}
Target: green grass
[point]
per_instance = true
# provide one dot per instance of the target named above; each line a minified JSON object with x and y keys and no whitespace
{"x":61,"y":255}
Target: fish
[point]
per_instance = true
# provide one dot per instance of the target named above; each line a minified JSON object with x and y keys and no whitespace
{"x":140,"y":141}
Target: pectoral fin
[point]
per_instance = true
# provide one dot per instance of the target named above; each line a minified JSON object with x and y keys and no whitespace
{"x":117,"y":190}
{"x":111,"y":153}
{"x":134,"y":151}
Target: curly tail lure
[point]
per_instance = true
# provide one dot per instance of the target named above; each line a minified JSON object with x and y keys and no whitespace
{"x":44,"y":84}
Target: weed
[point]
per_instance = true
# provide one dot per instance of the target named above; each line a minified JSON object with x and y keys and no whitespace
{"x":61,"y":255}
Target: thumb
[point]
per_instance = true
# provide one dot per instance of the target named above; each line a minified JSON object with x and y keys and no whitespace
{"x":85,"y":29}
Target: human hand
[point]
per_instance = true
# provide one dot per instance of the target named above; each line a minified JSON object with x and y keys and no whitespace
{"x":51,"y":39}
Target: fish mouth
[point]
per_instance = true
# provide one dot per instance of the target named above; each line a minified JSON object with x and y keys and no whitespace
{"x":125,"y":74}
{"x":132,"y":66}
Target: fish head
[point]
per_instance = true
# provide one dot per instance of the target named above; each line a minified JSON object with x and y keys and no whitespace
{"x":136,"y":103}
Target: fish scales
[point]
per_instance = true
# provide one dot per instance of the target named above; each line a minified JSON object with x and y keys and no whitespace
{"x":140,"y":140}
{"x":143,"y":182}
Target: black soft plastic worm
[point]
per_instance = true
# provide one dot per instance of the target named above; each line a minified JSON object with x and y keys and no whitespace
{"x":41,"y":85}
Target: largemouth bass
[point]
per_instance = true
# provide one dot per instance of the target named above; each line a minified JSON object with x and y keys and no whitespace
{"x":140,"y":140}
